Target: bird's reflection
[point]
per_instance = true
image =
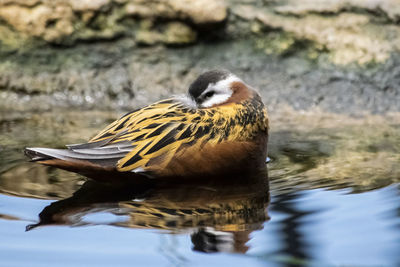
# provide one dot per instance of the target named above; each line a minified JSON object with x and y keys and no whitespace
{"x":218,"y":213}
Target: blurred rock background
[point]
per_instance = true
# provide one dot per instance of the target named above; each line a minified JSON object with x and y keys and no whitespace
{"x":340,"y":55}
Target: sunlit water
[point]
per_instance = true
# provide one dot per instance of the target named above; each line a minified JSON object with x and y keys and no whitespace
{"x":324,"y":206}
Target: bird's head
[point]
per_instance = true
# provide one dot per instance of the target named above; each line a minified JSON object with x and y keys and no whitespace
{"x":217,"y":87}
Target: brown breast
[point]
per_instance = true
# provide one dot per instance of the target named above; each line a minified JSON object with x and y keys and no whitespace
{"x":220,"y":159}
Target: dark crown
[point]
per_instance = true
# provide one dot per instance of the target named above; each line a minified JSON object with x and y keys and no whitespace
{"x":202,"y":82}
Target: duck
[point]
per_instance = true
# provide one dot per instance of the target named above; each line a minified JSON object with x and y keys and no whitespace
{"x":219,"y":126}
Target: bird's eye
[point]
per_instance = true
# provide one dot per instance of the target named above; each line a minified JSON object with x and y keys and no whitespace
{"x":209,"y":94}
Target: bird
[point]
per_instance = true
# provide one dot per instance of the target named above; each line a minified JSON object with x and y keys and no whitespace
{"x":219,"y":126}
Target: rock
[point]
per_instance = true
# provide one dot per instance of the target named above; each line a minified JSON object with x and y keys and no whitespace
{"x":177,"y":33}
{"x":388,"y":8}
{"x":173,"y":33}
{"x":85,"y":5}
{"x":67,"y":22}
{"x":52,"y":24}
{"x":353,"y":31}
{"x":111,"y":54}
{"x":347,"y":36}
{"x":198,"y":12}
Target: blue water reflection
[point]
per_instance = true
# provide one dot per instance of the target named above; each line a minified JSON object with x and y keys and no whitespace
{"x":333,"y":228}
{"x":311,"y":227}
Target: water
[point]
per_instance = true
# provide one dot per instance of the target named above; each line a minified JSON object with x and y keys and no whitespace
{"x":332,"y":200}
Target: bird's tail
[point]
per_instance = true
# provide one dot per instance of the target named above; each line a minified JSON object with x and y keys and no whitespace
{"x":100,"y":167}
{"x":66,"y":159}
{"x":41,"y":154}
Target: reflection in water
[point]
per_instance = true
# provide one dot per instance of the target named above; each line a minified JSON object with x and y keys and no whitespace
{"x":219,"y":214}
{"x":294,"y":242}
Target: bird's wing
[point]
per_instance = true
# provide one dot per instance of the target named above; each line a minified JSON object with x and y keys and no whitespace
{"x":154,"y":133}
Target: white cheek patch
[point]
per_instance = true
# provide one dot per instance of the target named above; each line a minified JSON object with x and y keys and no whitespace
{"x":222,"y":91}
{"x":215,"y":100}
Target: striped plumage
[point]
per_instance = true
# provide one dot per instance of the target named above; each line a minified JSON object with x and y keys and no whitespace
{"x":178,"y":136}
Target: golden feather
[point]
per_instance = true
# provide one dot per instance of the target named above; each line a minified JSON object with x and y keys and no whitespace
{"x":226,"y":130}
{"x":157,"y":132}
